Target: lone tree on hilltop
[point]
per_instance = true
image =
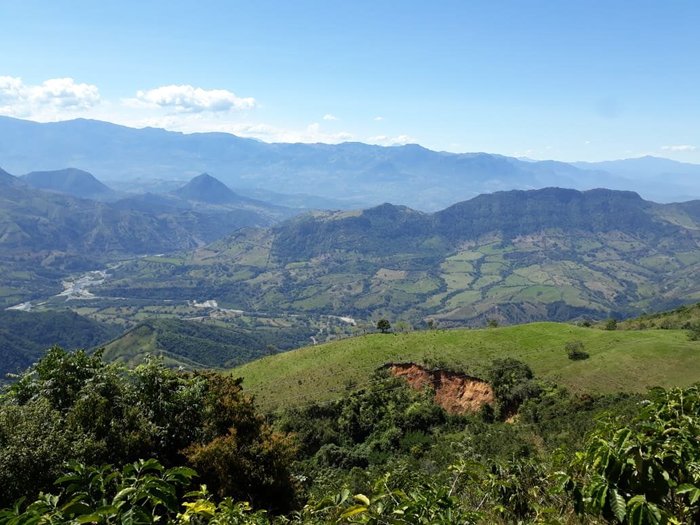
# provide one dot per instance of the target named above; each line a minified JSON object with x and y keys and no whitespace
{"x":383,"y":325}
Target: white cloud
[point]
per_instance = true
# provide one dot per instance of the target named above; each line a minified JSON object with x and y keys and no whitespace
{"x":177,"y":108}
{"x":328,"y":116}
{"x":679,"y":148}
{"x":378,"y":119}
{"x":222,"y":122}
{"x":190,"y":99}
{"x":49,"y":97}
{"x":384,"y":140}
{"x":314,"y":133}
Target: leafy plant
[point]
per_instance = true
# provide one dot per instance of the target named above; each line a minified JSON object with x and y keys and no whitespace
{"x":142,"y":492}
{"x":647,"y":471}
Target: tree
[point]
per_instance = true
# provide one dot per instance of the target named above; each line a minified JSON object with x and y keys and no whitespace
{"x":512,"y":383}
{"x":73,"y":406}
{"x":611,"y":324}
{"x":383,"y":325}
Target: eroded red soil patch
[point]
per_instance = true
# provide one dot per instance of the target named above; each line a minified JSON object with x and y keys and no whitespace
{"x":457,"y":393}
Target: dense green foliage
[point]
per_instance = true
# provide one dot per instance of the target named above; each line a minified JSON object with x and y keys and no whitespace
{"x":647,"y":470}
{"x":76,"y":407}
{"x":87,"y":442}
{"x":367,"y":427}
{"x":400,"y":455}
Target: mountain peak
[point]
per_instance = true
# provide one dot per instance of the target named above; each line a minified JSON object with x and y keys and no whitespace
{"x":4,"y":175}
{"x":205,"y":188}
{"x":69,"y":181}
{"x":518,"y":212}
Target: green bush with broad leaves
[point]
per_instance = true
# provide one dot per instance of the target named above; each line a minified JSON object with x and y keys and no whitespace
{"x":647,"y":471}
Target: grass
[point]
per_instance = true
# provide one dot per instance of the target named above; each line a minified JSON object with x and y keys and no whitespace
{"x":629,"y":361}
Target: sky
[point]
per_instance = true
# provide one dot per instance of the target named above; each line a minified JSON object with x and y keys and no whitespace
{"x":566,"y":80}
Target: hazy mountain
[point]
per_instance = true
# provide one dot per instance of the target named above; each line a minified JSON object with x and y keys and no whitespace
{"x":356,"y":172}
{"x":71,"y":181}
{"x":651,"y":174}
{"x":517,"y":256}
{"x":301,"y":201}
{"x":647,"y":166}
{"x":205,"y":188}
{"x":6,"y":179}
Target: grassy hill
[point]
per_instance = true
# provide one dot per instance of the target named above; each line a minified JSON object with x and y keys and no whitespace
{"x":619,"y":360}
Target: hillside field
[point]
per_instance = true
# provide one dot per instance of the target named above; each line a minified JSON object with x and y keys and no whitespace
{"x":622,"y":360}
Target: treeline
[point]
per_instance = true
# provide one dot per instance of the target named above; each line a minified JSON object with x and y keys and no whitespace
{"x":82,"y":441}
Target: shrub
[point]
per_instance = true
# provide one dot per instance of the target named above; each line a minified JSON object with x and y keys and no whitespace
{"x":73,"y":406}
{"x":694,"y":333}
{"x":574,"y":349}
{"x":383,"y":325}
{"x":643,"y":471}
{"x":611,"y":324}
{"x":512,"y":383}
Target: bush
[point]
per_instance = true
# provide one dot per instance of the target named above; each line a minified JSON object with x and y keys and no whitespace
{"x":646,"y":470}
{"x":574,"y":349}
{"x":694,"y":333}
{"x":383,"y":325}
{"x":512,"y":383}
{"x":611,"y":324}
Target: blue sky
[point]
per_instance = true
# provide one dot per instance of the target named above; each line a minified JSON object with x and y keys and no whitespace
{"x":584,"y":80}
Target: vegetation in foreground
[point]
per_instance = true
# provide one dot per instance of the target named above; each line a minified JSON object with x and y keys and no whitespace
{"x":82,"y":441}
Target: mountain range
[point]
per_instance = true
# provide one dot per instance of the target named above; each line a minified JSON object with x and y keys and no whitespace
{"x":349,"y":173}
{"x":48,"y":229}
{"x":513,"y":256}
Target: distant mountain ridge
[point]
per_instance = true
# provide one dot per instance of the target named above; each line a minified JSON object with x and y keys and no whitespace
{"x":509,"y":213}
{"x":356,"y":172}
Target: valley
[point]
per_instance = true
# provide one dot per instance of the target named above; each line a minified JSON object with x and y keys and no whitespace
{"x":453,"y":267}
{"x":504,"y":258}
